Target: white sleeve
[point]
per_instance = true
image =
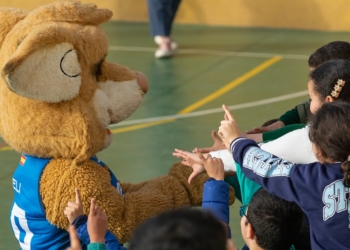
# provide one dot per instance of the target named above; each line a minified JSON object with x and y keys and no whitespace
{"x":295,"y":147}
{"x":227,"y":159}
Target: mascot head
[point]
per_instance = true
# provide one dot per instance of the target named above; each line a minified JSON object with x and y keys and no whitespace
{"x":58,"y":94}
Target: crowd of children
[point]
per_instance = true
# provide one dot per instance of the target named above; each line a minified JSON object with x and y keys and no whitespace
{"x":294,"y":189}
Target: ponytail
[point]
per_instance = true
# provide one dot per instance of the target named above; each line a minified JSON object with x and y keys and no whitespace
{"x":345,"y":169}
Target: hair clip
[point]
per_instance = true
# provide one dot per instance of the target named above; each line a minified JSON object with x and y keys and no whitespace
{"x":337,"y":88}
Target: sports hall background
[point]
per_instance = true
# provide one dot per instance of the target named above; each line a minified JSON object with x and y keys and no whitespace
{"x":250,"y":55}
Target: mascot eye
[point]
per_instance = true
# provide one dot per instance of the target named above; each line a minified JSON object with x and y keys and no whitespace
{"x":69,"y":65}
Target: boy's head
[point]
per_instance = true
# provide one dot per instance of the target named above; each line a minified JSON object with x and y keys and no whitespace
{"x":271,"y":223}
{"x":330,"y":51}
{"x":181,"y":229}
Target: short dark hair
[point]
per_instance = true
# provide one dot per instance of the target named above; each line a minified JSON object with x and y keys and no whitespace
{"x":330,"y":132}
{"x":180,"y":229}
{"x":325,"y":78}
{"x":276,"y":222}
{"x":330,"y":51}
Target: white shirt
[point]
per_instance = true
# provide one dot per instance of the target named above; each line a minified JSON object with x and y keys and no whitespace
{"x":295,"y":147}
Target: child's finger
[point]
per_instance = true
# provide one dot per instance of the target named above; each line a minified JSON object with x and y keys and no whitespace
{"x":77,"y":196}
{"x":177,"y":155}
{"x":192,"y":175}
{"x":201,"y":157}
{"x":226,"y":117}
{"x":214,"y":135}
{"x":92,"y":207}
{"x":227,"y":113}
{"x":74,"y":240}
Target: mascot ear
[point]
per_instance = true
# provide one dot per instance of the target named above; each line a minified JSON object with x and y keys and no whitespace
{"x":50,"y":74}
{"x":9,"y":17}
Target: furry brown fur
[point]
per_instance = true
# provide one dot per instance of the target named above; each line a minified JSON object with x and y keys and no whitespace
{"x":40,"y":117}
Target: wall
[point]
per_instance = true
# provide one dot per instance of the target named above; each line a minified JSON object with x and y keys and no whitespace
{"x":296,"y":14}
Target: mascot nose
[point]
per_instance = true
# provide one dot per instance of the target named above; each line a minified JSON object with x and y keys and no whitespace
{"x":142,"y":81}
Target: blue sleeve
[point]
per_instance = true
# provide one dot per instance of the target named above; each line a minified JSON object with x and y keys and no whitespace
{"x":111,"y":241}
{"x":274,"y":174}
{"x":216,"y":200}
{"x":80,"y":224}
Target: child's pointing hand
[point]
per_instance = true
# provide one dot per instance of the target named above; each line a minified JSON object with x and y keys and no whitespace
{"x":228,"y":130}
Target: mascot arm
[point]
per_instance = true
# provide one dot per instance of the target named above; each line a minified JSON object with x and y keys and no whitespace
{"x":139,"y":203}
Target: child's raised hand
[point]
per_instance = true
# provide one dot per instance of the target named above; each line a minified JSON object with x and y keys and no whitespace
{"x":97,"y":223}
{"x":188,"y":158}
{"x":191,"y":160}
{"x":74,"y":209}
{"x":213,"y":166}
{"x":228,"y":130}
{"x":218,"y":144}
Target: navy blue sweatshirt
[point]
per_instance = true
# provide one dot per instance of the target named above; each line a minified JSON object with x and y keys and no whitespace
{"x":317,"y":188}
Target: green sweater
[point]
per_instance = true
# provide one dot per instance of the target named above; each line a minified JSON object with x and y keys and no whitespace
{"x":299,"y":114}
{"x":96,"y":246}
{"x":248,"y":189}
{"x":274,"y":134}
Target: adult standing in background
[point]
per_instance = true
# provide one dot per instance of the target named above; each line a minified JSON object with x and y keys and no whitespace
{"x":161,"y":15}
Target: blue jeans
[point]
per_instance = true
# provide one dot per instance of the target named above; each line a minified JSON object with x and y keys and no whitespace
{"x":161,"y":15}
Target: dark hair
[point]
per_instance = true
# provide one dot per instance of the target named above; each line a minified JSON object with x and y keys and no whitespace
{"x":325,"y":78}
{"x":330,"y":132}
{"x":330,"y":51}
{"x":276,"y":222}
{"x":181,"y":229}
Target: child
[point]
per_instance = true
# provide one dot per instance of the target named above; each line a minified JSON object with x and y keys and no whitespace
{"x":299,"y":115}
{"x":321,"y":189}
{"x":270,"y":222}
{"x":322,"y":83}
{"x":97,"y":227}
{"x":92,"y":229}
{"x":181,"y":229}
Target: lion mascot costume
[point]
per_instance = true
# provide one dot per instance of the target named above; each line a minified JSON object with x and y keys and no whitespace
{"x":58,"y":94}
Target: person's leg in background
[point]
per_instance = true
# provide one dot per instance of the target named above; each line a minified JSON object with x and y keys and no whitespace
{"x":161,"y":16}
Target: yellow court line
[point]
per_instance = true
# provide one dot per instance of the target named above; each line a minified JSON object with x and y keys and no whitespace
{"x":231,"y":85}
{"x":6,"y":148}
{"x":199,"y":103}
{"x":209,"y":98}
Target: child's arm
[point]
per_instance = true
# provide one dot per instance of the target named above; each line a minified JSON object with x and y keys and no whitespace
{"x":74,"y":240}
{"x":298,"y":115}
{"x":216,"y":190}
{"x":192,"y":160}
{"x":262,"y":167}
{"x":76,"y":217}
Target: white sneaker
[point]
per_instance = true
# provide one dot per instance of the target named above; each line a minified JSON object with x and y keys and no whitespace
{"x":165,"y":52}
{"x":162,"y":53}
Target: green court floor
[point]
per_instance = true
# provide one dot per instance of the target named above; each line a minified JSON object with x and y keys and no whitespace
{"x":214,"y":66}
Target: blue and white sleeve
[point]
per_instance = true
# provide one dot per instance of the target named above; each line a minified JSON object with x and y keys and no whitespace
{"x":274,"y":174}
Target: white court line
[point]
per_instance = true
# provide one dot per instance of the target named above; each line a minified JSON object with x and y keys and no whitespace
{"x":210,"y":52}
{"x":216,"y":110}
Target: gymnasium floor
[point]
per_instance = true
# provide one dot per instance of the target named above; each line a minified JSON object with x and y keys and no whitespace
{"x":259,"y":72}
